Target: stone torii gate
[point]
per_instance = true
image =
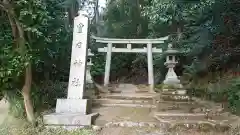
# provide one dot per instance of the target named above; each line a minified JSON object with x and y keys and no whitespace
{"x":149,"y":50}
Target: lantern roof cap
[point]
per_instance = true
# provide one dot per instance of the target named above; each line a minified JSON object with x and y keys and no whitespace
{"x":90,"y":53}
{"x":171,"y":50}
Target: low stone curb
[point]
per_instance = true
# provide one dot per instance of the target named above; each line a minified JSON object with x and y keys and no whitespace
{"x":136,"y":124}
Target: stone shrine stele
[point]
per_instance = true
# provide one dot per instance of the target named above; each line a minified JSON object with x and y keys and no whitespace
{"x":74,"y":111}
{"x":78,"y":58}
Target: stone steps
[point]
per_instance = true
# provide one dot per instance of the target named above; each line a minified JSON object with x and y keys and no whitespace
{"x":174,"y":91}
{"x":189,"y":118}
{"x":135,"y":124}
{"x":126,"y":105}
{"x":186,"y":107}
{"x":145,"y":100}
{"x":120,"y":101}
{"x":178,"y":103}
{"x":198,"y":123}
{"x":166,"y":126}
{"x":181,"y":98}
{"x":130,"y":96}
{"x":118,"y":91}
{"x":163,"y":117}
{"x":173,"y":94}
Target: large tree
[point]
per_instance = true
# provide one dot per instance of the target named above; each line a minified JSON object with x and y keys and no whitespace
{"x":35,"y":45}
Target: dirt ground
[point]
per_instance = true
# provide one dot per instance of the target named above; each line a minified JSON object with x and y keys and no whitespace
{"x":119,"y":114}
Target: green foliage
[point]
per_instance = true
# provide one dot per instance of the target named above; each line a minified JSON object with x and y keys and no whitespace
{"x":16,"y":108}
{"x":206,"y":31}
{"x":98,"y":67}
{"x":11,"y":61}
{"x":11,"y":78}
{"x":48,"y":37}
{"x":233,"y":92}
{"x":208,"y":36}
{"x":122,"y":19}
{"x":45,"y":95}
{"x":12,"y":65}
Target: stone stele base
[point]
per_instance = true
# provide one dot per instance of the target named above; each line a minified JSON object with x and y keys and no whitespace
{"x":82,"y":106}
{"x":70,"y":112}
{"x":68,"y":119}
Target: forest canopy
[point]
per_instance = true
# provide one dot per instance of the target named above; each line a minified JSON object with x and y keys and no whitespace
{"x":36,"y":38}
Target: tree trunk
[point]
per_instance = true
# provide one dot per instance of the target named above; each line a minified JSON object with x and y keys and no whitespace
{"x":18,"y":34}
{"x":96,"y":12}
{"x":179,"y":34}
{"x":26,"y":92}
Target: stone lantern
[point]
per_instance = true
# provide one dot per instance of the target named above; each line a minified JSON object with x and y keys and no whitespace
{"x":89,"y":64}
{"x":171,"y":77}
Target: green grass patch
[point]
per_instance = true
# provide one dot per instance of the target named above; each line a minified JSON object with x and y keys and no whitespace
{"x":21,"y":127}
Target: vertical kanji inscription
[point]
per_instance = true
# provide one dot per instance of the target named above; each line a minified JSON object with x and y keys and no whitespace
{"x":77,"y":62}
{"x":80,"y":27}
{"x":79,"y":45}
{"x":76,"y":82}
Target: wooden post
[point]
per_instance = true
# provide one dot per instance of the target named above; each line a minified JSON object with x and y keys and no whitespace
{"x":150,"y":68}
{"x":108,"y":64}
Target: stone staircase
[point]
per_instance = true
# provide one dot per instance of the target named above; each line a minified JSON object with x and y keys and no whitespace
{"x":175,"y":95}
{"x":127,"y":95}
{"x":146,"y":100}
{"x":177,"y":108}
{"x":169,"y":108}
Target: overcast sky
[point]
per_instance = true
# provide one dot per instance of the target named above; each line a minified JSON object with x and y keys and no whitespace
{"x":102,"y":3}
{"x":90,"y":8}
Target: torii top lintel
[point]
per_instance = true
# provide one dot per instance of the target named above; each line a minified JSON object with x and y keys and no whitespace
{"x":130,"y":41}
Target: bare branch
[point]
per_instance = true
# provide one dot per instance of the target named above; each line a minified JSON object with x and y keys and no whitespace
{"x":2,"y":7}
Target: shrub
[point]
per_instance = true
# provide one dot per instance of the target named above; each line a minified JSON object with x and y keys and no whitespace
{"x":233,"y":93}
{"x":43,"y":96}
{"x":16,"y":106}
